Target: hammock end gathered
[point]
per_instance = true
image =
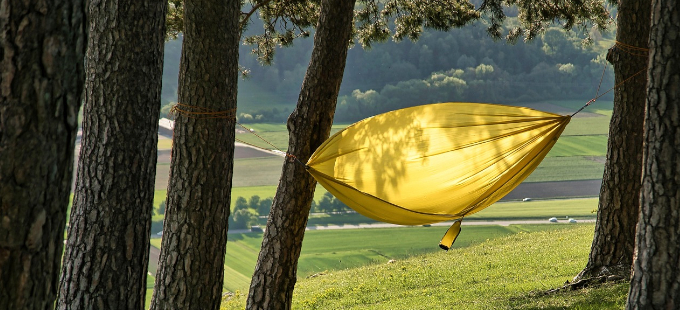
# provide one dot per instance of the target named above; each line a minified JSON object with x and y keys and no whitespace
{"x":450,"y":236}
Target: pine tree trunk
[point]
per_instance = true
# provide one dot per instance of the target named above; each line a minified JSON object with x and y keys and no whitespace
{"x":41,"y":59}
{"x":309,"y":125}
{"x":191,"y":267}
{"x":655,"y":282}
{"x":107,"y":253}
{"x":613,"y":244}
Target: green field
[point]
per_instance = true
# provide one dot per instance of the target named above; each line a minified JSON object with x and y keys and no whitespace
{"x":592,"y":145}
{"x":539,"y":209}
{"x":570,"y":168}
{"x":164,"y":144}
{"x":578,"y":208}
{"x":328,"y":250}
{"x":503,"y":272}
{"x":582,"y":126}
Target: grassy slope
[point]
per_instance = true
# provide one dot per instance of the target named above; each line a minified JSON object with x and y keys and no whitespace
{"x":502,"y":273}
{"x":325,"y":250}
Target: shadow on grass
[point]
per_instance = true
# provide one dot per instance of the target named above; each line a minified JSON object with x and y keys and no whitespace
{"x":605,"y":296}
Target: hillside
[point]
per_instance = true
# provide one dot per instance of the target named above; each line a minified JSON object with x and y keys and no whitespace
{"x":461,"y":65}
{"x":504,"y":273}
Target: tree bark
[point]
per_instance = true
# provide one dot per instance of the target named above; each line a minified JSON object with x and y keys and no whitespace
{"x":191,"y":268}
{"x":614,"y":241}
{"x":655,"y":283}
{"x":309,"y":125}
{"x":42,"y":45}
{"x":107,"y":253}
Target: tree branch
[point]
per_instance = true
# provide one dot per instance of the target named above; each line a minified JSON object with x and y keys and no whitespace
{"x":250,"y":13}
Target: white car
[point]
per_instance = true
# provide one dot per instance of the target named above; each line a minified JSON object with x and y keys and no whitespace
{"x":572,"y":221}
{"x":553,"y":220}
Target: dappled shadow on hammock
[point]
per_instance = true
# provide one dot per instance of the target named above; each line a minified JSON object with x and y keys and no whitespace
{"x":435,"y":162}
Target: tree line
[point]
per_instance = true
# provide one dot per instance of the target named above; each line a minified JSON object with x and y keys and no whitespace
{"x":248,"y":212}
{"x":56,"y":53}
{"x":556,"y":65}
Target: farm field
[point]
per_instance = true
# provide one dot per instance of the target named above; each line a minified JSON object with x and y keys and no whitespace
{"x":330,"y":250}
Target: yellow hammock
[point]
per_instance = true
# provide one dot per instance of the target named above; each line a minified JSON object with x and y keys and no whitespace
{"x":436,"y":162}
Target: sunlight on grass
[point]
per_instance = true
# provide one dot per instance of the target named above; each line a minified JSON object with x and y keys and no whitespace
{"x":164,"y":144}
{"x":503,"y":273}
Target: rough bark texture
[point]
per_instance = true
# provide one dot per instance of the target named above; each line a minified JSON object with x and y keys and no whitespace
{"x":614,"y":241}
{"x":191,"y":269}
{"x":107,"y":253}
{"x":655,"y":282}
{"x":309,"y":125}
{"x":42,"y":45}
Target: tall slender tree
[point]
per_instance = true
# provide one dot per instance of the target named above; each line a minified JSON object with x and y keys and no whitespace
{"x":309,"y":125}
{"x":42,"y":47}
{"x":617,"y":214}
{"x":107,"y":253}
{"x":655,"y":283}
{"x":191,"y":267}
{"x":275,"y":273}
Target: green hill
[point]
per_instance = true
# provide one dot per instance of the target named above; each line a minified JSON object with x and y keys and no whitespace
{"x":503,"y":273}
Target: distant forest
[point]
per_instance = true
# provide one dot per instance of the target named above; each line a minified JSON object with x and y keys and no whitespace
{"x":461,"y":65}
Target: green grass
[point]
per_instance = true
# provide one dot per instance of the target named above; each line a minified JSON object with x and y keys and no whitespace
{"x":278,"y":138}
{"x":325,"y":250}
{"x":593,"y":145}
{"x":539,"y":209}
{"x":499,"y":273}
{"x":257,"y":171}
{"x":164,"y":144}
{"x":583,"y":126}
{"x":150,"y":280}
{"x":568,"y":169}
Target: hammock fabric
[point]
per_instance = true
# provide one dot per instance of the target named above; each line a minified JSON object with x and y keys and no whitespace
{"x":436,"y":162}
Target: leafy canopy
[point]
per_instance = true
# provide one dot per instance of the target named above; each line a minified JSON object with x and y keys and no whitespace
{"x":378,"y":20}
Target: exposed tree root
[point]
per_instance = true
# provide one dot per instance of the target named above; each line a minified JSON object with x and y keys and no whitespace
{"x":584,"y":283}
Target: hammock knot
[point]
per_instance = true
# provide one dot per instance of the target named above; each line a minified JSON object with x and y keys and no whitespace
{"x":200,"y":112}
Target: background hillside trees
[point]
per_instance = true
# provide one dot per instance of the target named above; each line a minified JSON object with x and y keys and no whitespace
{"x":522,"y":72}
{"x":113,"y":199}
{"x":655,"y":283}
{"x":43,"y":45}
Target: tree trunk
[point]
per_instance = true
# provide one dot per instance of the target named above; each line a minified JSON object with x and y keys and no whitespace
{"x":309,"y":125}
{"x":614,"y":241}
{"x":655,"y":282}
{"x":191,"y":268}
{"x":107,"y":253}
{"x":42,"y":48}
